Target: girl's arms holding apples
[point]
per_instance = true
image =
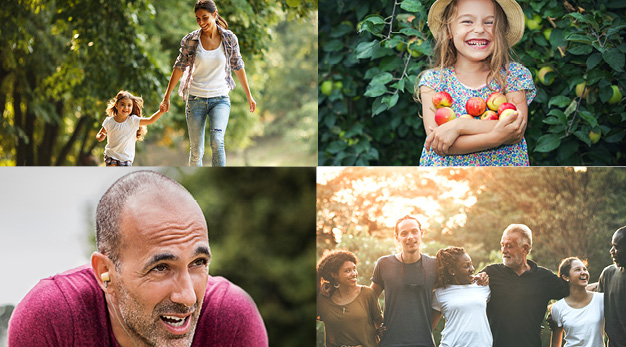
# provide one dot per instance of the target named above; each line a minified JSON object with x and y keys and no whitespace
{"x":462,"y":136}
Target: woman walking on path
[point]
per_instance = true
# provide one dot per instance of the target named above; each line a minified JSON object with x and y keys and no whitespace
{"x":207,"y":57}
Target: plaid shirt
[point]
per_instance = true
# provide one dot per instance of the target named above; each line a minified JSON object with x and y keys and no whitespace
{"x":187,"y":56}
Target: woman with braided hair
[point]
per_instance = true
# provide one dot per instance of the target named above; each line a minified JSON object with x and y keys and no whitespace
{"x":462,"y":302}
{"x":350,"y":312}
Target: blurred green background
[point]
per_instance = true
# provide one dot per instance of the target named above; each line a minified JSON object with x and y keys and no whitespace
{"x":371,"y":52}
{"x":62,"y":60}
{"x":261,"y":226}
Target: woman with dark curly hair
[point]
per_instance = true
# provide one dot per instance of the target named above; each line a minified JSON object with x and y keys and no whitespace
{"x":462,"y":302}
{"x":580,"y":314}
{"x":350,"y":312}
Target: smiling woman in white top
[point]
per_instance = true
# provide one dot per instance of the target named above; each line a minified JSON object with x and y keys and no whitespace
{"x":580,"y":315}
{"x":462,"y":302}
{"x":207,"y":57}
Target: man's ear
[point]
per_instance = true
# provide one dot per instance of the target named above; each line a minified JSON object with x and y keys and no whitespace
{"x":103,"y":268}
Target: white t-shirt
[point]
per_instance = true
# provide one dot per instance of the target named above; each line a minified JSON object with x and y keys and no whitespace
{"x":209,"y":73}
{"x":465,"y":309}
{"x":583,"y":326}
{"x":121,"y":138}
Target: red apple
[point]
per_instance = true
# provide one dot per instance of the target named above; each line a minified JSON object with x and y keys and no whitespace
{"x":475,"y":106}
{"x":489,"y":115}
{"x":442,"y":99}
{"x":505,"y":106}
{"x":444,"y":115}
{"x":466,"y":116}
{"x":507,"y":112}
{"x":495,"y":100}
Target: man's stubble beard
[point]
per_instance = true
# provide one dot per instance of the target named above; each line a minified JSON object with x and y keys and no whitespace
{"x":146,"y":332}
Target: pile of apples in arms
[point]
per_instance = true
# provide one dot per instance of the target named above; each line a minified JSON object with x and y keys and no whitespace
{"x":494,"y":108}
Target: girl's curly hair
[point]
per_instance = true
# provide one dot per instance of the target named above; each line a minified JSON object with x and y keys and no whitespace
{"x":446,"y":259}
{"x":330,"y":263}
{"x":137,"y":106}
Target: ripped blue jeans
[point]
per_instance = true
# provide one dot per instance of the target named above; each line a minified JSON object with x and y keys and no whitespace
{"x":218,"y":110}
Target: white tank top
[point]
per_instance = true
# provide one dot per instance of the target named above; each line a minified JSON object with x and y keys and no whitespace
{"x":209,"y":75}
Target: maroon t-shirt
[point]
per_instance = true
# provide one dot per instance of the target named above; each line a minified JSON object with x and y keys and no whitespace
{"x":69,"y":309}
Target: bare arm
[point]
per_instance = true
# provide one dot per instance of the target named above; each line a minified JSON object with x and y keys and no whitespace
{"x":443,"y":139}
{"x":435,"y":317}
{"x":241,"y":76}
{"x":101,"y":134}
{"x":174,"y":78}
{"x":462,"y":136}
{"x":557,"y":336}
{"x":151,"y":119}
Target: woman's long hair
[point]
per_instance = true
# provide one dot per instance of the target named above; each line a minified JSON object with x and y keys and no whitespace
{"x":209,"y":5}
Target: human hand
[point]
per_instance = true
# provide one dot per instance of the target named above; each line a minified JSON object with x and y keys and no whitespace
{"x":442,"y":138}
{"x":165,"y":105}
{"x":511,"y":129}
{"x":482,"y":279}
{"x":251,"y":103}
{"x":381,"y":330}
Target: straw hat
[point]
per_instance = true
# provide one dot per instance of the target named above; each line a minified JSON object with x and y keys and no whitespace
{"x":512,"y":10}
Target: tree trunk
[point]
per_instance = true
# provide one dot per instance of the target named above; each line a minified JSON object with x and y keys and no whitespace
{"x":70,"y":143}
{"x":29,"y":128}
{"x":51,"y":133}
{"x":20,"y":149}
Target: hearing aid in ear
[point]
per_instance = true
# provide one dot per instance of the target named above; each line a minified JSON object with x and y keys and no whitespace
{"x":105,"y":278}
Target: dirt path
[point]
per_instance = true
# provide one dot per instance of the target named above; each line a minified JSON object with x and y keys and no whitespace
{"x":266,"y":151}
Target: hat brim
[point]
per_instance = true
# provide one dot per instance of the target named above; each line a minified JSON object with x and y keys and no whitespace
{"x":512,"y":10}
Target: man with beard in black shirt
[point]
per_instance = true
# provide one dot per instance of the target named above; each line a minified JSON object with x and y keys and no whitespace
{"x":520,"y":291}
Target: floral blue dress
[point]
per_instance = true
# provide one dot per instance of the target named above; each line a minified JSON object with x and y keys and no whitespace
{"x":519,"y":78}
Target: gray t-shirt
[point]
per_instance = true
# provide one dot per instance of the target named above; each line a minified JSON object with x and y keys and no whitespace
{"x":408,"y":292}
{"x":613,"y":284}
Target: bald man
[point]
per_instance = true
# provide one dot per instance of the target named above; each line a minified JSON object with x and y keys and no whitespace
{"x":148,"y":283}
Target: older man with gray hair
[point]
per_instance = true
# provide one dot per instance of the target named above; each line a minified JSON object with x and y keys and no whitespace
{"x":520,"y":291}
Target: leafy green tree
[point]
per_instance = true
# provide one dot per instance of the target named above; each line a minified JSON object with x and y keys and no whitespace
{"x":62,"y":60}
{"x":290,"y":95}
{"x":260,"y":222}
{"x":571,"y":211}
{"x":376,"y":50}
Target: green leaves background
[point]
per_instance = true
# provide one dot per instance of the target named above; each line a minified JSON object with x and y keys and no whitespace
{"x":376,"y":49}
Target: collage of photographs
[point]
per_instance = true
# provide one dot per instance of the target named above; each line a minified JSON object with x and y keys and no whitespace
{"x":356,"y":173}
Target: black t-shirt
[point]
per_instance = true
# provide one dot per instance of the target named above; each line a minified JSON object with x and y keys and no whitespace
{"x":518,"y":303}
{"x":613,"y":284}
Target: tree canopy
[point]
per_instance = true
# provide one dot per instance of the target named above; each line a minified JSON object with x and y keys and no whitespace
{"x":372,"y":52}
{"x":61,"y":60}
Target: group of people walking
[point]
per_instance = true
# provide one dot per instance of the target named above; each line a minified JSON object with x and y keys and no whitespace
{"x":503,"y":305}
